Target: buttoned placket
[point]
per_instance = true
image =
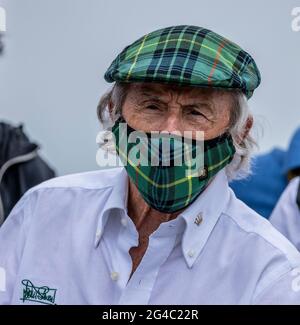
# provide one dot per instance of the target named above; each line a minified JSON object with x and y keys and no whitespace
{"x":161,"y":243}
{"x":119,"y":236}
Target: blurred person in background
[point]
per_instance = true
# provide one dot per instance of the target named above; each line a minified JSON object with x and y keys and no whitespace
{"x":271,"y":173}
{"x":286,"y":215}
{"x":21,"y":167}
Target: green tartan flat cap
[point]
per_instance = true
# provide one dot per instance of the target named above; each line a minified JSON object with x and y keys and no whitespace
{"x":186,"y":55}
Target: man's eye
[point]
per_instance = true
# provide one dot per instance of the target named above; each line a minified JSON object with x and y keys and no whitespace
{"x":152,"y":107}
{"x":194,"y":112}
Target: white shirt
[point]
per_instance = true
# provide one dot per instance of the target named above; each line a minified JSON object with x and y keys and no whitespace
{"x":67,"y":242}
{"x":286,"y":214}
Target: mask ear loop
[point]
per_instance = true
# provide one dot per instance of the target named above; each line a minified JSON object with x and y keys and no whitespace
{"x":105,"y":141}
{"x":210,"y":143}
{"x":105,"y":138}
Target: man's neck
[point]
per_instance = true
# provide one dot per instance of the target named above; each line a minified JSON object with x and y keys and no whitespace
{"x":146,"y":220}
{"x":143,"y":216}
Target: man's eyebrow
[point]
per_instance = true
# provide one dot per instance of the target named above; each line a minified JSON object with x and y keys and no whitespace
{"x":205,"y":104}
{"x":153,"y":97}
{"x":155,"y":94}
{"x":200,"y":104}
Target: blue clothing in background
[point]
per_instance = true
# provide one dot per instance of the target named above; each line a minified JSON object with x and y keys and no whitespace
{"x":262,"y":189}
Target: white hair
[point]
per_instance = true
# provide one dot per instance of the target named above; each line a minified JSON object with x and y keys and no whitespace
{"x":244,"y":142}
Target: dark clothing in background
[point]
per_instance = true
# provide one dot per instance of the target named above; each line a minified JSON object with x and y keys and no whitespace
{"x":20,"y":167}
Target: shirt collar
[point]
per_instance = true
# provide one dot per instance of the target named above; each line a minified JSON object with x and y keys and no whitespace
{"x":116,"y":199}
{"x":196,"y":222}
{"x":202,"y":215}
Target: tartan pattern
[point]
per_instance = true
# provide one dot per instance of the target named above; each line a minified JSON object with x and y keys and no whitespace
{"x":186,"y":55}
{"x":167,"y":188}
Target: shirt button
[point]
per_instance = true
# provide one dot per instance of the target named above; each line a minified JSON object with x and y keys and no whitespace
{"x":98,"y":234}
{"x":114,"y":276}
{"x":124,"y":221}
{"x":191,"y":253}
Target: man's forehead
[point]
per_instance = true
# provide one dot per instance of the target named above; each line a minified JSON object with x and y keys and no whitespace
{"x":160,"y":89}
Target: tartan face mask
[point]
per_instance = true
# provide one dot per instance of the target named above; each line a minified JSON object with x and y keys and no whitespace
{"x":164,"y":171}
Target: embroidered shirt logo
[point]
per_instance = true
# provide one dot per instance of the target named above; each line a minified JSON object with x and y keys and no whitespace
{"x":43,"y":295}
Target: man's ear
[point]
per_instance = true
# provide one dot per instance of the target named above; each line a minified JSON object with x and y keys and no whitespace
{"x":247,"y":127}
{"x":111,"y":109}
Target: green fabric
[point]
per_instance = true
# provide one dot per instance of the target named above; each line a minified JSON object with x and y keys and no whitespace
{"x":186,"y":55}
{"x":167,"y":188}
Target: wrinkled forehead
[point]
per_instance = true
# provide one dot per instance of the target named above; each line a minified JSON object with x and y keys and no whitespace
{"x":172,"y":91}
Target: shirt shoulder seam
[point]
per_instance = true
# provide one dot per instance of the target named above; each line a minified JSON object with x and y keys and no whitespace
{"x":262,"y":237}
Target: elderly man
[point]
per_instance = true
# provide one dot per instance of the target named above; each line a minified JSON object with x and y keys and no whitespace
{"x":155,"y":234}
